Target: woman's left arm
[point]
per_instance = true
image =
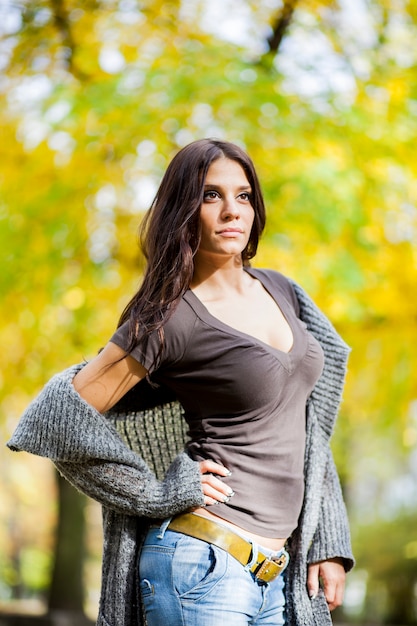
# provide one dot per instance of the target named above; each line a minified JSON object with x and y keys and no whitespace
{"x":330,"y":555}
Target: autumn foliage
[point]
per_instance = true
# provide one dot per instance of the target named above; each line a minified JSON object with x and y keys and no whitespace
{"x":96,"y":97}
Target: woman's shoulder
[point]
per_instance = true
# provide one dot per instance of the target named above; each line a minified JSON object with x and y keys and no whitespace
{"x":182,"y":320}
{"x":273,"y":275}
{"x":177,"y":331}
{"x":277,"y":279}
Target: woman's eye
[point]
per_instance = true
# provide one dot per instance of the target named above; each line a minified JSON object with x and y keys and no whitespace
{"x":210,"y":195}
{"x":245,"y":196}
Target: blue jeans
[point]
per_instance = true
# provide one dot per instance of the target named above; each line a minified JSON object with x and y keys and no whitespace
{"x":187,"y":582}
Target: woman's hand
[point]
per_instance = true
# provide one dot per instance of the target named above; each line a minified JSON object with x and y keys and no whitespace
{"x":214,"y":489}
{"x":332,"y":575}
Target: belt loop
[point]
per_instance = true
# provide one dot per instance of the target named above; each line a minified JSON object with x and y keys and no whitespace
{"x":287,"y":556}
{"x":253,"y":556}
{"x":163,"y":527}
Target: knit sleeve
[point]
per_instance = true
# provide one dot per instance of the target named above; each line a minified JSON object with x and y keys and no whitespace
{"x":126,"y":489}
{"x":332,"y":536}
{"x":88,"y":450}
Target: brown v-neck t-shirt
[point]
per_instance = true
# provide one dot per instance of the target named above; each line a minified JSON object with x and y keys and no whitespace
{"x":244,"y":403}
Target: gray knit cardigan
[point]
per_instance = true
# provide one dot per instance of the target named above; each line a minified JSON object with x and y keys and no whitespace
{"x":133,"y":462}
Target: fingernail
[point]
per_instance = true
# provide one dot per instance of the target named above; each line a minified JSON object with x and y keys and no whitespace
{"x":312,"y":595}
{"x":229,"y":473}
{"x":231,"y":493}
{"x":226,"y":499}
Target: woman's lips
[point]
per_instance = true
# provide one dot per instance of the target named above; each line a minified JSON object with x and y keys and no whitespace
{"x":230,"y":232}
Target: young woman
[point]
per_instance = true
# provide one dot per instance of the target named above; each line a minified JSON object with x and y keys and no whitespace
{"x":247,"y":525}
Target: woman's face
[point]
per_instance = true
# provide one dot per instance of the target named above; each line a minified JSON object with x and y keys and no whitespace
{"x":226,"y":214}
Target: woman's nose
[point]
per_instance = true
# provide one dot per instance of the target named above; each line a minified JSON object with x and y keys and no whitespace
{"x":231,"y":208}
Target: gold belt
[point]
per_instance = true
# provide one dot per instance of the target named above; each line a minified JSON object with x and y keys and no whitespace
{"x":266,"y":568}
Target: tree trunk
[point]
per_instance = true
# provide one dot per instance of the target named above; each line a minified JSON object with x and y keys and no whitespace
{"x":67,"y":589}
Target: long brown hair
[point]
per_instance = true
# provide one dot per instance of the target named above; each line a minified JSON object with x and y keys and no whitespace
{"x":170,"y":235}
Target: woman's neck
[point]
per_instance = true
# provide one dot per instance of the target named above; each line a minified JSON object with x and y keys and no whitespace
{"x":218,"y":278}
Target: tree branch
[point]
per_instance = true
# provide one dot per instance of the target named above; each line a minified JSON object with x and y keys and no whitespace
{"x":61,"y":22}
{"x":281,"y":24}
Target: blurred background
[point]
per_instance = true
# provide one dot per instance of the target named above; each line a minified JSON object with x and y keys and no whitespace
{"x":95,"y":99}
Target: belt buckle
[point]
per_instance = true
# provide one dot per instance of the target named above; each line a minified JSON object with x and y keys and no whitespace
{"x":269,"y":569}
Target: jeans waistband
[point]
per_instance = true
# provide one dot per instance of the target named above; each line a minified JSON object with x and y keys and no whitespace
{"x":265,"y":564}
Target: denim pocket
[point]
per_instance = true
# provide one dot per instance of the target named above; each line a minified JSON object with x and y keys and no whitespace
{"x":146,"y":588}
{"x":197,"y":567}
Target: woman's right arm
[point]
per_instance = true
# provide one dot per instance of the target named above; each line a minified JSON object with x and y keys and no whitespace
{"x":107,"y":377}
{"x":103,"y":382}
